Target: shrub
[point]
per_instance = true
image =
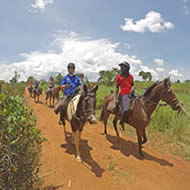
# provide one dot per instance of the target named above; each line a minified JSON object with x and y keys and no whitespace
{"x":20,"y":143}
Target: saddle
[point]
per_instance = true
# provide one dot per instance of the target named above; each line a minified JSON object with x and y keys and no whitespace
{"x":72,"y":106}
{"x":115,"y":105}
{"x":37,"y":90}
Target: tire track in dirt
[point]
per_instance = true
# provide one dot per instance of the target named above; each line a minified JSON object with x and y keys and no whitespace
{"x":107,"y":165}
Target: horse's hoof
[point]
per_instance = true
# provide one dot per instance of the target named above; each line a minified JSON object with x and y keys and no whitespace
{"x":144,"y":141}
{"x":141,"y":155}
{"x":78,"y":158}
{"x":60,"y":122}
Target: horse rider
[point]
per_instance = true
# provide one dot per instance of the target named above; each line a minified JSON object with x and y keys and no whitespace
{"x":82,"y":80}
{"x":36,"y":85}
{"x":51,"y":84}
{"x":30,"y":83}
{"x":124,"y":89}
{"x":70,"y":85}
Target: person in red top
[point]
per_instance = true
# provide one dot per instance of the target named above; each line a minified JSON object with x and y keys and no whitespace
{"x":124,"y":88}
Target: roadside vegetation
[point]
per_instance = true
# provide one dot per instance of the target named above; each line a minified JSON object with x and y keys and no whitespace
{"x":20,"y":140}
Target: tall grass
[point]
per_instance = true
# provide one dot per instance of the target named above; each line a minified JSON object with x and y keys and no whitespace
{"x":173,"y":127}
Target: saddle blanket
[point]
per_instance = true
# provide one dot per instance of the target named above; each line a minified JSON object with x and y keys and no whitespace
{"x":72,"y":106}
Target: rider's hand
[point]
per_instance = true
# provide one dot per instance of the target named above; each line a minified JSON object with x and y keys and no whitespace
{"x":67,"y":85}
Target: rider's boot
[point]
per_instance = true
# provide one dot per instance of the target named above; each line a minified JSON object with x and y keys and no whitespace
{"x":124,"y":117}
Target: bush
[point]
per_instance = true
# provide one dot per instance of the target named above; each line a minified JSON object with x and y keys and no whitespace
{"x":19,"y":143}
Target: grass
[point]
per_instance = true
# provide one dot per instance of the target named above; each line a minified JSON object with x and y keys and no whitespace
{"x":167,"y":130}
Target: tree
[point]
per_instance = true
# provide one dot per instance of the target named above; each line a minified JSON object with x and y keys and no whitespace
{"x":149,"y":76}
{"x":145,"y":75}
{"x":58,"y":78}
{"x":107,"y":77}
{"x":30,"y":79}
{"x":15,"y":77}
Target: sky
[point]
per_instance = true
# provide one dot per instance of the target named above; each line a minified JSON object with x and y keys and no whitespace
{"x":40,"y":37}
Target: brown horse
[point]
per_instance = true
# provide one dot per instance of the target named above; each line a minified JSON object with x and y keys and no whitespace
{"x":30,"y":90}
{"x":85,"y":111}
{"x":52,"y":94}
{"x":36,"y":94}
{"x":141,"y":109}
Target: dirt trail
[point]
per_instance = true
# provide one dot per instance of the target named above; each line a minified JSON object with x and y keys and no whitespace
{"x":108,"y":165}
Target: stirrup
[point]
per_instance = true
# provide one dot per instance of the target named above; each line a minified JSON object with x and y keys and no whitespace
{"x":61,"y":122}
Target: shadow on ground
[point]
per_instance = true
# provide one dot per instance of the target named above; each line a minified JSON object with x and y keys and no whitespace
{"x":85,"y":154}
{"x":127,"y":148}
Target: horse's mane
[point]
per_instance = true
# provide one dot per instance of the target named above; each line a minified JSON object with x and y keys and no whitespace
{"x":149,"y":90}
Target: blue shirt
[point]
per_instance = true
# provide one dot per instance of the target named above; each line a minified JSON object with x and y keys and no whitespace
{"x":73,"y":81}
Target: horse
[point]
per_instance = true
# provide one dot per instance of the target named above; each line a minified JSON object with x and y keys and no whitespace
{"x":30,"y":90}
{"x":84,"y":111}
{"x":36,"y":94}
{"x":142,"y":108}
{"x":52,"y":94}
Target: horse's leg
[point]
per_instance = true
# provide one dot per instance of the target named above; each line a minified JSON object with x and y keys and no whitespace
{"x":105,"y":122}
{"x":34,"y":97}
{"x":139,"y":141}
{"x":77,"y":141}
{"x":53,"y":100}
{"x":50,"y":100}
{"x":115,"y":125}
{"x":144,"y":136}
{"x":47,"y":98}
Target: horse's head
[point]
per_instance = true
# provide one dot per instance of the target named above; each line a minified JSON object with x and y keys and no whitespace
{"x":88,"y":102}
{"x":163,"y":91}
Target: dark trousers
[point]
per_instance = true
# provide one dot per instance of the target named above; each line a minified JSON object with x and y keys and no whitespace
{"x":124,"y":101}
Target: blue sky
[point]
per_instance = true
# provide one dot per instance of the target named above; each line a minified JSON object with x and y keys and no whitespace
{"x":39,"y":37}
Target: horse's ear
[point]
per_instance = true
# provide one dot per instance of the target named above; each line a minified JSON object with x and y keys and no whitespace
{"x":167,"y":82}
{"x":85,"y":88}
{"x":94,"y":89}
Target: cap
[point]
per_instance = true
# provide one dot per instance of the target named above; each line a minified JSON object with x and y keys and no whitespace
{"x":125,"y":64}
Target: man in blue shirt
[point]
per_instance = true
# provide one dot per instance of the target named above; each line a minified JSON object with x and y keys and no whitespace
{"x":70,"y":85}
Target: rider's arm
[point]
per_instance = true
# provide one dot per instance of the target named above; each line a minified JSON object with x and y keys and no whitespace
{"x":64,"y":83}
{"x":116,"y":87}
{"x":132,"y":84}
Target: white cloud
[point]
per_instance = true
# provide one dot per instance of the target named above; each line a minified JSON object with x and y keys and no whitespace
{"x":90,"y":56}
{"x":175,"y":73}
{"x":160,"y":69}
{"x":41,"y":4}
{"x":160,"y":62}
{"x":152,"y":22}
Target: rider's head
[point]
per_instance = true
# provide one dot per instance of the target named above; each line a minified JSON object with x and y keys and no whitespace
{"x":125,"y":67}
{"x":71,"y":68}
{"x":51,"y":78}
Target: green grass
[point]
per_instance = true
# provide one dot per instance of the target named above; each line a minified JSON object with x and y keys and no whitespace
{"x":172,"y":130}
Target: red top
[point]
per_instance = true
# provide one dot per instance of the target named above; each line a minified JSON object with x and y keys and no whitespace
{"x":125,"y":83}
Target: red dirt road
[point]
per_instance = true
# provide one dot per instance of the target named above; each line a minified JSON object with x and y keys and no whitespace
{"x":107,"y":164}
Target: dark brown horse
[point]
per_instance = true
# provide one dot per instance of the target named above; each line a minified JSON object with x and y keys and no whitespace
{"x":36,"y":94}
{"x":85,"y":111}
{"x":30,"y":90}
{"x":52,"y":94}
{"x":142,"y":109}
